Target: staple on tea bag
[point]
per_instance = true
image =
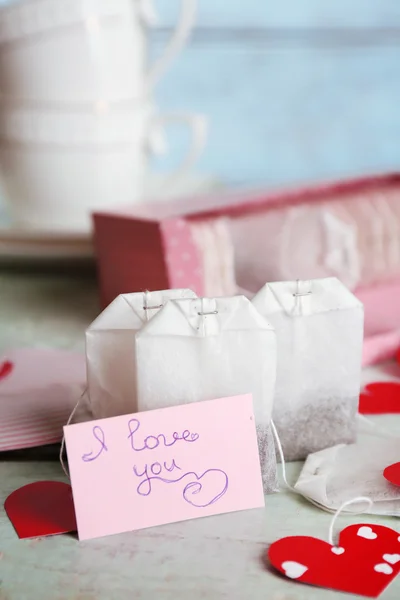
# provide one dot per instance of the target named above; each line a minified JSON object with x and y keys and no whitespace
{"x":333,"y":475}
{"x":203,"y":349}
{"x":110,"y":350}
{"x":319,"y":328}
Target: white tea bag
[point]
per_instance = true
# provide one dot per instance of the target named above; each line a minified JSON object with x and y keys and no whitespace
{"x":319,"y":329}
{"x":110,"y":350}
{"x":204,"y":349}
{"x":335,"y":475}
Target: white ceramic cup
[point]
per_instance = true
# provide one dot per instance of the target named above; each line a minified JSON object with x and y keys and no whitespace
{"x":58,"y":167}
{"x":83,"y":51}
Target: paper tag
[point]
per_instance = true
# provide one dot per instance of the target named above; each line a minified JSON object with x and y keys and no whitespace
{"x":163,"y":466}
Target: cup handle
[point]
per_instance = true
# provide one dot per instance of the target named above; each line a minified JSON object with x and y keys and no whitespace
{"x":198,"y":127}
{"x":187,"y":16}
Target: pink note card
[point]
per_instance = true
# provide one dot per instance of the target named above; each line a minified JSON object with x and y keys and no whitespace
{"x":163,"y":466}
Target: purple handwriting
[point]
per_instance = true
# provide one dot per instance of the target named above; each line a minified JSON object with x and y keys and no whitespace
{"x":98,"y":433}
{"x":191,"y":489}
{"x":156,"y":470}
{"x":150,"y":442}
{"x":201,"y":491}
{"x":153,"y":441}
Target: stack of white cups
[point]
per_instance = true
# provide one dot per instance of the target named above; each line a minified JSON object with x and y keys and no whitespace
{"x":77,"y":120}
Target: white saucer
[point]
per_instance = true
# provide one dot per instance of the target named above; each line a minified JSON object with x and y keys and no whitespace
{"x":29,"y":245}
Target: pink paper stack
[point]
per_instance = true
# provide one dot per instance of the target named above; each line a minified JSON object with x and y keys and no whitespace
{"x":236,"y":241}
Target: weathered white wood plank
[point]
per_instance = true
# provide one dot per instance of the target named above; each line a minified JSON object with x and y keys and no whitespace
{"x":217,"y":558}
{"x":289,"y":115}
{"x":284,"y":13}
{"x":294,"y":37}
{"x":288,"y":13}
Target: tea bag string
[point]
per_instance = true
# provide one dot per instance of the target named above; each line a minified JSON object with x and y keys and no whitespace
{"x":71,"y":416}
{"x":282,"y":457}
{"x":292,"y":489}
{"x":284,"y":474}
{"x":298,"y":296}
{"x":207,"y":308}
{"x":295,"y":342}
{"x":146,"y":307}
{"x":343,"y":506}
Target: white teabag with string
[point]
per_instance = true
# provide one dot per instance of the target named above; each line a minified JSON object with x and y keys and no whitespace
{"x":204,"y":349}
{"x":332,"y":476}
{"x":319,"y":330}
{"x":111,"y":351}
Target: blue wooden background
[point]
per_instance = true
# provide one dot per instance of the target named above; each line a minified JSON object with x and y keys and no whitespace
{"x":295,"y":90}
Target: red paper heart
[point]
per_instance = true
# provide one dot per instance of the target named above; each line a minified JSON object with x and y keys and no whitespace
{"x":365,"y":561}
{"x":41,"y":508}
{"x":6,"y":368}
{"x":392,"y":473}
{"x":379,"y":398}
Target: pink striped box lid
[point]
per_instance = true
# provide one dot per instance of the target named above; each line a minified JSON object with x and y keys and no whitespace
{"x":38,"y":390}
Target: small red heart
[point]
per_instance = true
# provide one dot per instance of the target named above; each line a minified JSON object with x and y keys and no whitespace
{"x":392,"y":473}
{"x":380,"y":398}
{"x":6,"y":369}
{"x":365,"y":561}
{"x":41,"y":508}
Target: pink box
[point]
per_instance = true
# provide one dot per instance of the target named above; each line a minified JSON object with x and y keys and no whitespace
{"x":164,"y":245}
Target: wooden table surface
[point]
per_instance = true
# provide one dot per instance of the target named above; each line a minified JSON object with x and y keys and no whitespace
{"x":215,"y":558}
